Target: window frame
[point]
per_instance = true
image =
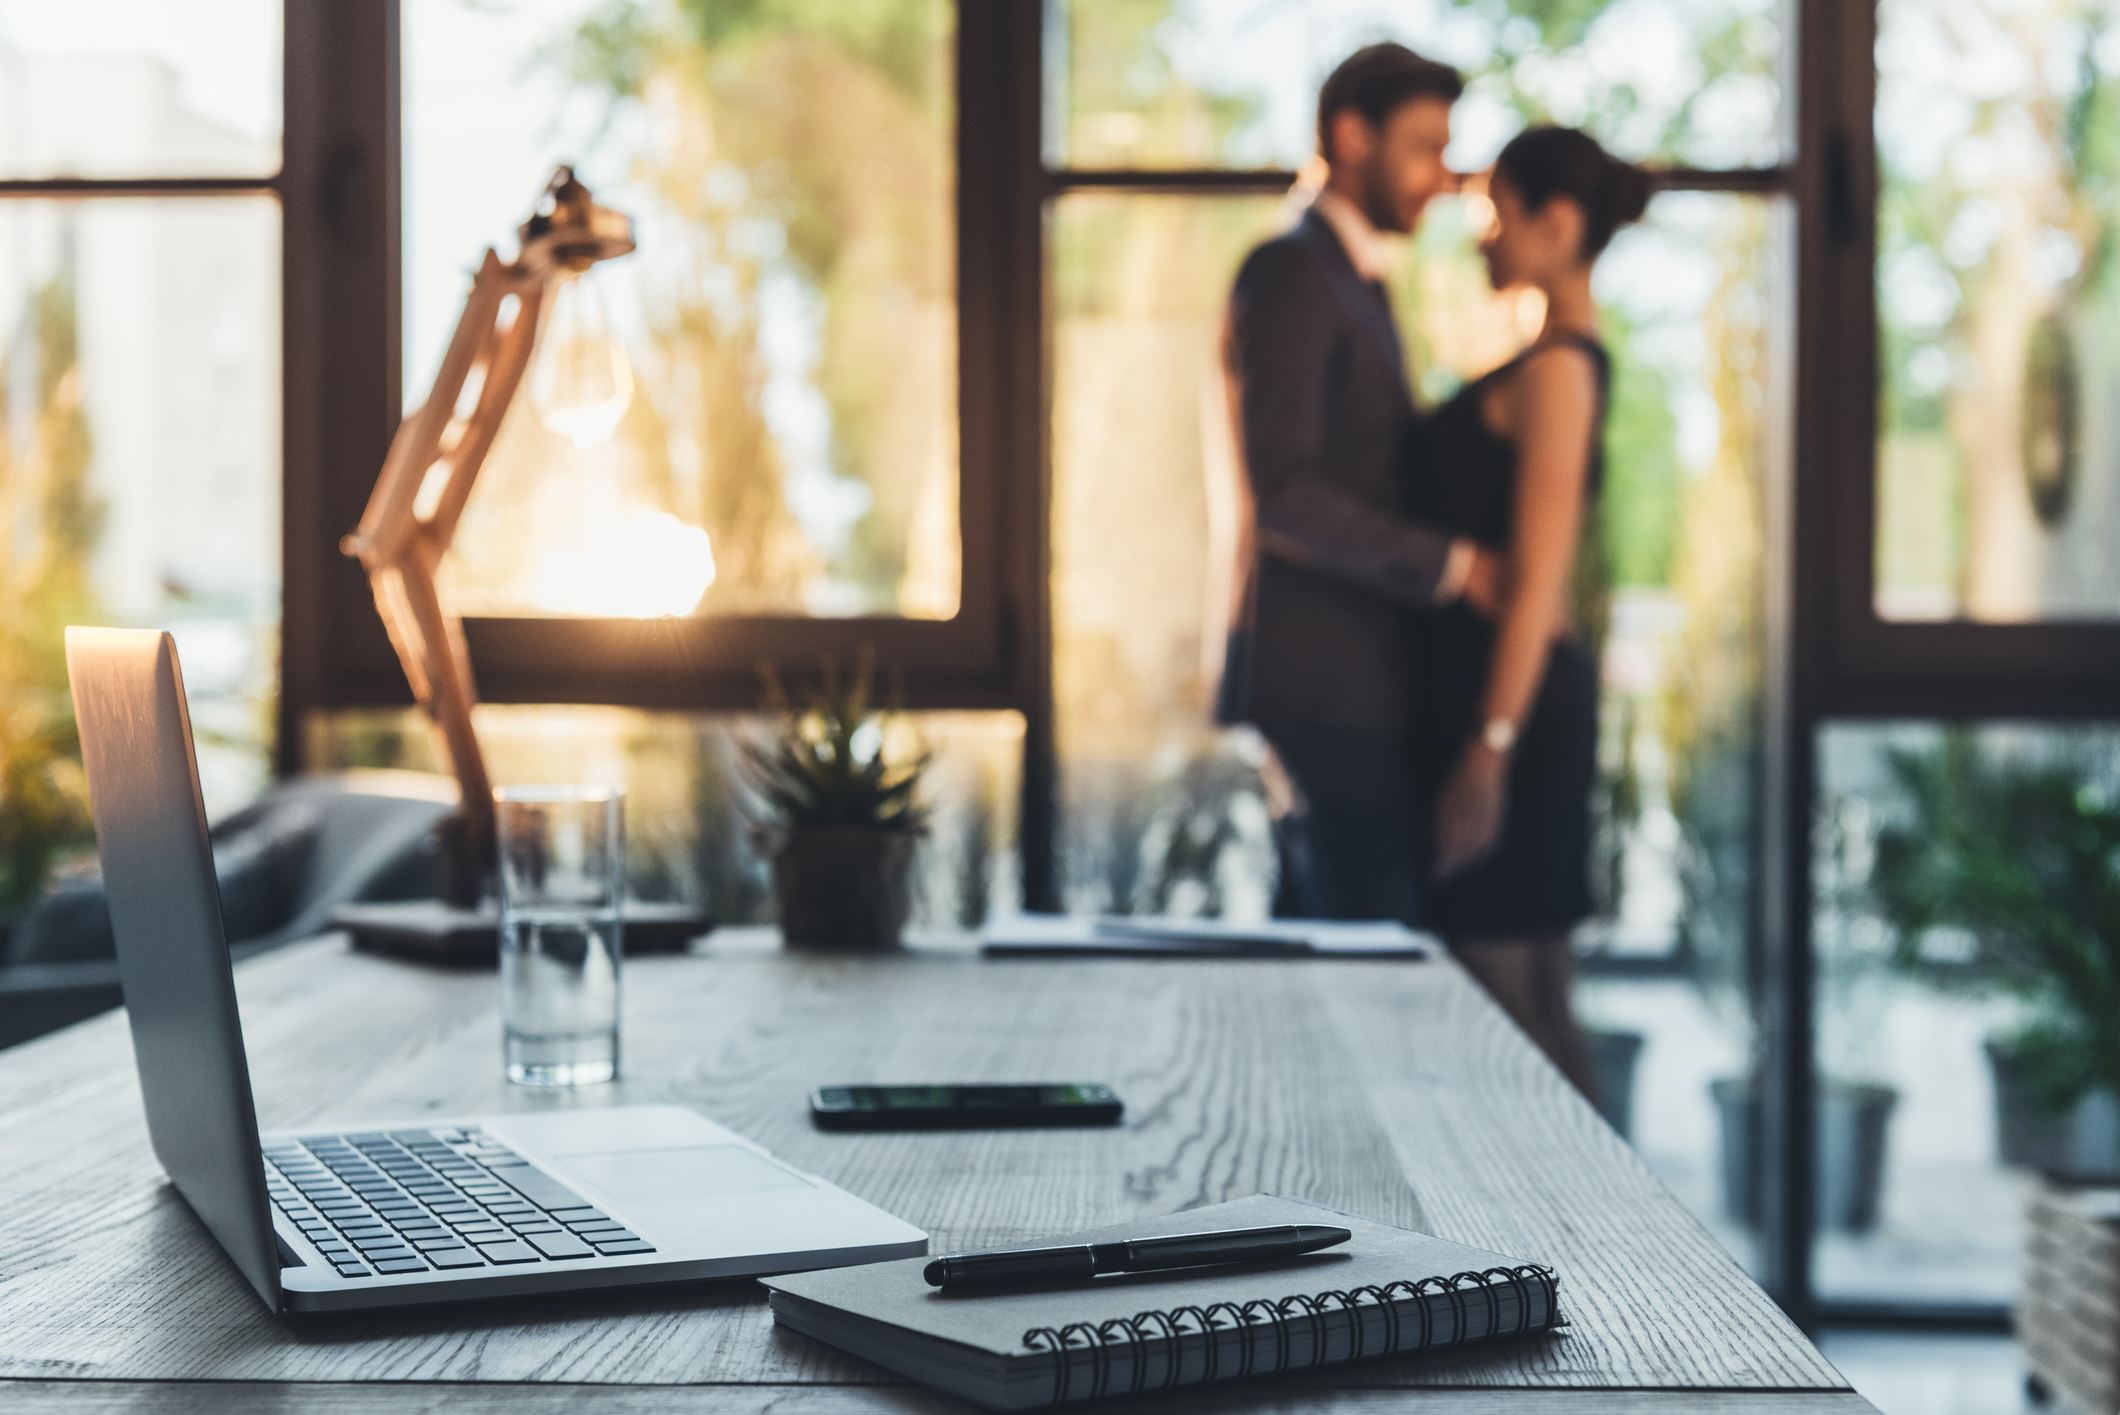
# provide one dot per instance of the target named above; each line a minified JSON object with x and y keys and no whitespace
{"x":1840,"y":661}
{"x":1867,"y":666}
{"x":343,"y":188}
{"x":302,"y":42}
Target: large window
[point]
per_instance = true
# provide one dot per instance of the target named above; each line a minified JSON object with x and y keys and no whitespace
{"x":813,"y":458}
{"x":1960,"y":878}
{"x":1160,"y":812}
{"x":140,"y":465}
{"x":139,"y":387}
{"x":1953,"y":668}
{"x":1996,"y":276}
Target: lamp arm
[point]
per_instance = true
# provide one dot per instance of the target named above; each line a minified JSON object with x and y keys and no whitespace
{"x":401,"y":547}
{"x":508,"y":358}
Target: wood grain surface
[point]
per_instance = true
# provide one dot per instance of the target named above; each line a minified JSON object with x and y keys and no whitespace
{"x":1265,"y":1397}
{"x":1388,"y":1089}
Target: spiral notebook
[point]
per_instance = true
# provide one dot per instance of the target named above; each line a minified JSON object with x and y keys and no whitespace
{"x":1387,"y":1292}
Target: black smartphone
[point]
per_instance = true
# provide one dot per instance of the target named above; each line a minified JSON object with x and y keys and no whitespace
{"x":961,"y":1107}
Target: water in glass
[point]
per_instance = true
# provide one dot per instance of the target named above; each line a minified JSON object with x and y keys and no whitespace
{"x":562,"y":932}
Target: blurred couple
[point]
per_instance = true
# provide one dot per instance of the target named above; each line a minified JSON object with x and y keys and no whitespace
{"x":1400,"y":632}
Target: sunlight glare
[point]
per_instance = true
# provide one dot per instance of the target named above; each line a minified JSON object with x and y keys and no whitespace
{"x":638,"y":564}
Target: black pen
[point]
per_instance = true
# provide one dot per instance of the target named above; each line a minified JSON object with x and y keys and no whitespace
{"x":1079,"y":1261}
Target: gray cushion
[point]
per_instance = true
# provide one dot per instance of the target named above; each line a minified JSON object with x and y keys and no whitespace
{"x":283,"y":862}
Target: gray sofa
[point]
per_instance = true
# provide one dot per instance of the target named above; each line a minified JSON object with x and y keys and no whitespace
{"x":285,"y":862}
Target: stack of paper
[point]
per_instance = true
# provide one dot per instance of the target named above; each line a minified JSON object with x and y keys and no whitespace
{"x":1053,"y":935}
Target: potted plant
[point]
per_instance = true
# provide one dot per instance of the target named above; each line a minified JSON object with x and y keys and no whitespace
{"x":1852,"y":1112}
{"x":1616,"y":814}
{"x":838,"y":815}
{"x":1999,"y":880}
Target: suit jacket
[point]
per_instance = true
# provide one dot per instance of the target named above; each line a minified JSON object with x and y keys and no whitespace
{"x":1326,"y":562}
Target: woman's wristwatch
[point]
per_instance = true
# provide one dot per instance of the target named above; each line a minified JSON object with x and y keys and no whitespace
{"x":1498,"y":735}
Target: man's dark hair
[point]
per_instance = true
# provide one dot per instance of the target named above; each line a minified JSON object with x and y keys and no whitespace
{"x":1375,"y":80}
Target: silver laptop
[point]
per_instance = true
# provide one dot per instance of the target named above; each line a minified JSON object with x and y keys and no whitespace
{"x":405,"y":1212}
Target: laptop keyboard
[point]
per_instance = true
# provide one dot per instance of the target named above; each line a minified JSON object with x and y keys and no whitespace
{"x":414,"y":1201}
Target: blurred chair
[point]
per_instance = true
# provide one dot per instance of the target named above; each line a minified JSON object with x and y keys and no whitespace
{"x":285,"y":862}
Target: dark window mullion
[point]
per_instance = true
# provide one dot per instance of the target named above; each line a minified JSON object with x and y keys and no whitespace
{"x":1199,"y":181}
{"x":75,"y":188}
{"x":340,"y":229}
{"x":1762,"y":181}
{"x":1237,"y":181}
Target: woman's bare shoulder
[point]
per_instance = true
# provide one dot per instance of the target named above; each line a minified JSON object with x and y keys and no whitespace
{"x":1558,"y":380}
{"x":1554,"y":363}
{"x":1548,"y":375}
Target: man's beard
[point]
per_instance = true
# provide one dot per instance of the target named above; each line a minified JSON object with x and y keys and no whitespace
{"x":1379,"y":202}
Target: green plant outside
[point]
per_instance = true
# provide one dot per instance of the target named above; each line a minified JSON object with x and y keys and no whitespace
{"x":55,"y":523}
{"x":2025,"y":858}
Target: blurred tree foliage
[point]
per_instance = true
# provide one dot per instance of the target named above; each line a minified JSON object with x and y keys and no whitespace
{"x":1527,"y":36}
{"x":1128,"y":101}
{"x":1644,"y":484}
{"x":1138,"y":292}
{"x":1999,"y":134}
{"x":1131,"y":106}
{"x":1713,"y":709}
{"x":812,"y":139}
{"x":54,"y":522}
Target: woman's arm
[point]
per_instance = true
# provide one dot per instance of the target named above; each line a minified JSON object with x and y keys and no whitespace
{"x":1553,"y":418}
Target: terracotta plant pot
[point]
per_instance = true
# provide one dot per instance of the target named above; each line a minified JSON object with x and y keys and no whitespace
{"x":843,"y":888}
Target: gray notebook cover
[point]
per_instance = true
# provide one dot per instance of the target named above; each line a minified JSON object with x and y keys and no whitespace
{"x":975,"y":1344}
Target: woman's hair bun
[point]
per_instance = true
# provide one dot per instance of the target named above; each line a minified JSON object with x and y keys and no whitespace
{"x":1544,"y":163}
{"x":1627,"y":186}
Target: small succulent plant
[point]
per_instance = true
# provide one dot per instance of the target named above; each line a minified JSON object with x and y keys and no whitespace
{"x":828,"y":766}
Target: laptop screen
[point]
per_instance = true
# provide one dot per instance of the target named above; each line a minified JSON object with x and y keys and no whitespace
{"x":165,"y":910}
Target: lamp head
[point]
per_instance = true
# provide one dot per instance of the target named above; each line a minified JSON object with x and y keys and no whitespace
{"x":569,"y":231}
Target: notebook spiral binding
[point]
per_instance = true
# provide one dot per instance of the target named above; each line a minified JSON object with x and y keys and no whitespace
{"x":1468,"y":1293}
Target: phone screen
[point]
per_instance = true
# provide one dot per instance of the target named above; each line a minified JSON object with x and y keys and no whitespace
{"x":905,"y":1098}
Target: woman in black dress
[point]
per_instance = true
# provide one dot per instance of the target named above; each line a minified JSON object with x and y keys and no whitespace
{"x":1505,"y":733}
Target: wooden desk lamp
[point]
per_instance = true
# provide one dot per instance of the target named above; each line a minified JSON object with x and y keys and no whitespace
{"x":426,"y":481}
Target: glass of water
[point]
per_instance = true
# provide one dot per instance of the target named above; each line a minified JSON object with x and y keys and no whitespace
{"x":562,"y":901}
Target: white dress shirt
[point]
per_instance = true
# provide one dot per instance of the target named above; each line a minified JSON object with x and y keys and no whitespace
{"x":1374,"y":253}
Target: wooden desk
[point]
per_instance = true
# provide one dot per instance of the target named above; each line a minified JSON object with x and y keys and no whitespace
{"x":1389,"y":1089}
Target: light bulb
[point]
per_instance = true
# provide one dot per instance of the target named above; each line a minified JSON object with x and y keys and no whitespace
{"x":581,"y":382}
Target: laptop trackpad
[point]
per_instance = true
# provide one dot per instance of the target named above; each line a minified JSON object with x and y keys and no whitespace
{"x":681,"y":1177}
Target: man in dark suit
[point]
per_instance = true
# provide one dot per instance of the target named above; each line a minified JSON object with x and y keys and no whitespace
{"x":1317,"y":658}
